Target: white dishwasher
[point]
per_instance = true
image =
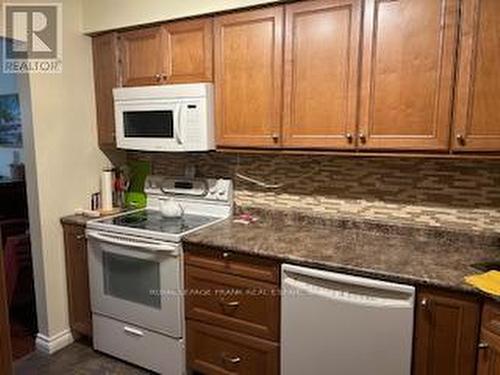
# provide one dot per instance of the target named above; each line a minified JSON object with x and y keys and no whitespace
{"x":338,"y":324}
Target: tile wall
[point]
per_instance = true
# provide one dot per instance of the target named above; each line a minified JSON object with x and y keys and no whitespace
{"x":462,"y":194}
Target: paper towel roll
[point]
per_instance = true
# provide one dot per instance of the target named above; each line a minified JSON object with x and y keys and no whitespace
{"x":107,"y":190}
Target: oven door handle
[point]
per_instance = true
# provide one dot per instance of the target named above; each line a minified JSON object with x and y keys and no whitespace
{"x":123,"y":241}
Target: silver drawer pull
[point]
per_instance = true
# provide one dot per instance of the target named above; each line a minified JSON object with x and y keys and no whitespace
{"x":229,"y":307}
{"x":232,"y":360}
{"x":483,"y":345}
{"x":133,"y":331}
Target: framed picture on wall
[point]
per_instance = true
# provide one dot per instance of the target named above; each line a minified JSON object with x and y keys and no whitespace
{"x":10,"y":121}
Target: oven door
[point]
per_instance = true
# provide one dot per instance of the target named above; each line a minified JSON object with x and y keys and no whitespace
{"x":136,"y":280}
{"x":148,"y":125}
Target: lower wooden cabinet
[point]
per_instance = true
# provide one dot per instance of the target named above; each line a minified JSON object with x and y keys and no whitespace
{"x":446,"y":333}
{"x":233,"y":313}
{"x":214,"y":350}
{"x":77,"y":278}
{"x":488,"y":360}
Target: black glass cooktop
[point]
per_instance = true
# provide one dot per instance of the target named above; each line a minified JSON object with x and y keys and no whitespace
{"x":153,"y":220}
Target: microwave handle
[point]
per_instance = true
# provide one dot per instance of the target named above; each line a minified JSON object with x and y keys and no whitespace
{"x":177,"y":124}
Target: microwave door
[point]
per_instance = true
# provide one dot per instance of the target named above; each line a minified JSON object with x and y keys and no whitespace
{"x":148,"y":127}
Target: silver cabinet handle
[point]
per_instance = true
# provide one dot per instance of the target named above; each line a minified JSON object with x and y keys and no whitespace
{"x":80,"y":237}
{"x":158,"y":77}
{"x":133,"y":331}
{"x":225,"y":255}
{"x":461,"y":139}
{"x":231,"y":360}
{"x":483,"y":345}
{"x":349,"y":137}
{"x":229,"y":307}
{"x":425,"y":304}
{"x":275,"y":137}
{"x":362,"y":138}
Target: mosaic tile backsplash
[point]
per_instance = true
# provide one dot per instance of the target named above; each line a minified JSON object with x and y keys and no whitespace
{"x":461,"y":194}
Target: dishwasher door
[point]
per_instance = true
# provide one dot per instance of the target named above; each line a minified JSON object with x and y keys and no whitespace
{"x":339,"y":324}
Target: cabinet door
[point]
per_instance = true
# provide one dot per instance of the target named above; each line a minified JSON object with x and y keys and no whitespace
{"x":446,"y":333}
{"x":77,"y":277}
{"x":189,"y":49}
{"x":477,"y":118}
{"x":321,"y":73}
{"x":141,"y":56}
{"x":248,"y":75}
{"x":489,"y":354}
{"x":105,"y":54}
{"x":5,"y":344}
{"x":407,"y":74}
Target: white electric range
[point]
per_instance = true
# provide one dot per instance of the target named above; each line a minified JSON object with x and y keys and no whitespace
{"x":135,"y":269}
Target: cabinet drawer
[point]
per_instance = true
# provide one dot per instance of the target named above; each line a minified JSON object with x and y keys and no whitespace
{"x":213,"y":350}
{"x":232,"y":263}
{"x":491,"y":318}
{"x":233,"y":302}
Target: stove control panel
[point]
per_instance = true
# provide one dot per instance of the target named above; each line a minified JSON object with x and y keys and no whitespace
{"x":208,"y":189}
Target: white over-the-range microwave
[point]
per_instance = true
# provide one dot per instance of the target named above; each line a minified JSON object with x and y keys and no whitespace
{"x":173,"y":118}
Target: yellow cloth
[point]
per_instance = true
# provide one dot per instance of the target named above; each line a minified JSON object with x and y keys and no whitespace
{"x":488,"y":282}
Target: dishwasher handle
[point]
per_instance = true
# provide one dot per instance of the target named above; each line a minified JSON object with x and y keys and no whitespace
{"x":404,"y":295}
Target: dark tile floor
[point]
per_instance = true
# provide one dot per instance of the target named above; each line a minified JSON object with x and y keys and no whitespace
{"x":78,"y":358}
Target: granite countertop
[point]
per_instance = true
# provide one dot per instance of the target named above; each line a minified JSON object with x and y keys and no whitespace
{"x":76,"y":219}
{"x":413,"y":255}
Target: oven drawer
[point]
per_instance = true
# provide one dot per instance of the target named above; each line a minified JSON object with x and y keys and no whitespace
{"x":137,"y":345}
{"x":233,"y":302}
{"x":213,"y":350}
{"x":236,"y":264}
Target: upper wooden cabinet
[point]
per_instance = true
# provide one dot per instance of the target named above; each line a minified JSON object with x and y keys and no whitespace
{"x":322,"y":40}
{"x":248,"y":76}
{"x":142,"y":53}
{"x":177,"y":52}
{"x":409,"y":49}
{"x":446,"y":333}
{"x":477,"y":115}
{"x":189,"y":50}
{"x":105,"y":54}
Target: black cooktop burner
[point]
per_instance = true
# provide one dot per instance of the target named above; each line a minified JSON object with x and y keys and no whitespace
{"x":152,"y":220}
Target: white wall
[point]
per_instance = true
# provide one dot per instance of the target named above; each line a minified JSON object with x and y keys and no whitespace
{"x":63,"y":162}
{"x":8,"y":85}
{"x":100,"y":15}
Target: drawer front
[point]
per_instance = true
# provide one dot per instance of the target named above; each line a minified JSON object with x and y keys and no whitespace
{"x":233,"y":263}
{"x":214,"y":350}
{"x":491,"y":318}
{"x":233,"y":302}
{"x":139,"y":346}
